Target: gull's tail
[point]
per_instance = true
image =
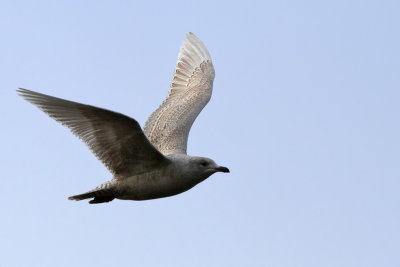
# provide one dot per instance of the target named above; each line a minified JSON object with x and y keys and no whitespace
{"x":103,"y":193}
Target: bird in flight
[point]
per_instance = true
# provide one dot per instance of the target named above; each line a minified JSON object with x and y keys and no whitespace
{"x":150,"y":163}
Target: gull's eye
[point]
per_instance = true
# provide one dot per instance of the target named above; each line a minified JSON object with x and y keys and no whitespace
{"x":204,"y":163}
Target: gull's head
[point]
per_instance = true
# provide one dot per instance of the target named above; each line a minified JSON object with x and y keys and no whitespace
{"x":206,"y":166}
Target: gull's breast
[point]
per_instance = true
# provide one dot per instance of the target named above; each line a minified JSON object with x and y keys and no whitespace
{"x":160,"y":183}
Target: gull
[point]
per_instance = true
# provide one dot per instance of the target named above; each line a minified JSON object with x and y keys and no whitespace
{"x":150,"y":163}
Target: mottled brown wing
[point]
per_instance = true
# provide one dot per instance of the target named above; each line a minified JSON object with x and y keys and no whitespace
{"x":115,"y":139}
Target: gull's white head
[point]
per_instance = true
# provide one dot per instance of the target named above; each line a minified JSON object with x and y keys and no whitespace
{"x":204,"y":167}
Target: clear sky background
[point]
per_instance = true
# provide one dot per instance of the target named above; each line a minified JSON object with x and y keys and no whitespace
{"x":305,"y":113}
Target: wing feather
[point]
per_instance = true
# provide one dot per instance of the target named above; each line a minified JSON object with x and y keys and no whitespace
{"x":116,"y":140}
{"x":168,"y":127}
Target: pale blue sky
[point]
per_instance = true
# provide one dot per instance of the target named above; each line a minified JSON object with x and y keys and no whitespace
{"x":305,"y":113}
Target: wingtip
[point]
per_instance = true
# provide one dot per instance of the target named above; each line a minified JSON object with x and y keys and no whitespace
{"x":27,"y":94}
{"x":193,"y":47}
{"x":22,"y":91}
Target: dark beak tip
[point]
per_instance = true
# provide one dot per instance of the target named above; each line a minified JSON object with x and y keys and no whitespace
{"x":223,"y":169}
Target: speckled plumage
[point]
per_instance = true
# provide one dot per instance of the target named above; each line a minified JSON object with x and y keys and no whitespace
{"x":168,"y":127}
{"x":151,"y":163}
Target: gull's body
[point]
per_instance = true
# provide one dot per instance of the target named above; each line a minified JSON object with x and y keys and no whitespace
{"x":177,"y":177}
{"x":150,"y":163}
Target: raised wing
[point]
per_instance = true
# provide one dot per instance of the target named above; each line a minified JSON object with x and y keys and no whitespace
{"x":115,"y":139}
{"x":168,"y":127}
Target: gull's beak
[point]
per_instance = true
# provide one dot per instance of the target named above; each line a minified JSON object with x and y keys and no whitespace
{"x":222,"y":169}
